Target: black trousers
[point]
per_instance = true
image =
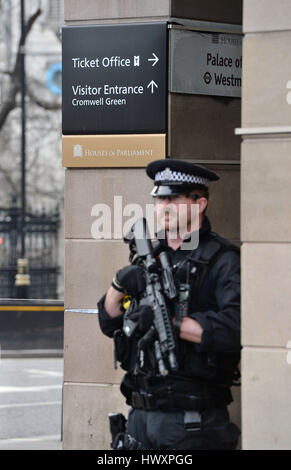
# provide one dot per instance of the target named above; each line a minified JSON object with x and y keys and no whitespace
{"x":183,"y":430}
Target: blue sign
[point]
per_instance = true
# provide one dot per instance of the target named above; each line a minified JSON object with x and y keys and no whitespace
{"x":53,"y":78}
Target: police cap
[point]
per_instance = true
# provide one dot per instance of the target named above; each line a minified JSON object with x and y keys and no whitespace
{"x":173,"y":177}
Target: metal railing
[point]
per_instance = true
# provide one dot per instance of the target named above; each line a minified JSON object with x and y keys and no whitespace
{"x":41,"y":250}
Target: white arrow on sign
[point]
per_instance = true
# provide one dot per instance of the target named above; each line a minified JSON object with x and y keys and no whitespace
{"x":154,"y":59}
{"x":152,"y":85}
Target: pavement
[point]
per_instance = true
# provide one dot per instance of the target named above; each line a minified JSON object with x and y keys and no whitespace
{"x":37,"y":443}
{"x":31,"y":403}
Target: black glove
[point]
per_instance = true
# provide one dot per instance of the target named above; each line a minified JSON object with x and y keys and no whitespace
{"x":130,"y":280}
{"x":143,"y":316}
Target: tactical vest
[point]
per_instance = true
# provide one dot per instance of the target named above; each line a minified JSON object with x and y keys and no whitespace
{"x":205,"y":256}
{"x":210,"y":251}
{"x":203,"y":259}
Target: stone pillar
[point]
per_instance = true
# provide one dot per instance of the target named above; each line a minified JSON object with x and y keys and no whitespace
{"x":201,"y":129}
{"x":266,"y":225}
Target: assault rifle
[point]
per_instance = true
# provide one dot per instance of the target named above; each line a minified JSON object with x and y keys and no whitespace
{"x":160,"y":288}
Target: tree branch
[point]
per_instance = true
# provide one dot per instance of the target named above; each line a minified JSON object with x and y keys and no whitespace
{"x":27,"y":29}
{"x":6,"y":72}
{"x":6,"y":173}
{"x":10,"y":103}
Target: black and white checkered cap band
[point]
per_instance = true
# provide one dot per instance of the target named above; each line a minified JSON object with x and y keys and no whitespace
{"x":169,"y":175}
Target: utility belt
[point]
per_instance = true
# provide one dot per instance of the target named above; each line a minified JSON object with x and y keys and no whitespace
{"x":177,"y":401}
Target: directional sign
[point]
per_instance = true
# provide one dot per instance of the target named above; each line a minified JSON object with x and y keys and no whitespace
{"x":152,"y":85}
{"x":155,"y":59}
{"x":115,"y":79}
{"x":206,"y":63}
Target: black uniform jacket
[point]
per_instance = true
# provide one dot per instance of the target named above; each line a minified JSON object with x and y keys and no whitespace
{"x":215,"y":305}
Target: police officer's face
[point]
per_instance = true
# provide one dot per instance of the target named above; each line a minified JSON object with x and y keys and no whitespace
{"x":177,"y":213}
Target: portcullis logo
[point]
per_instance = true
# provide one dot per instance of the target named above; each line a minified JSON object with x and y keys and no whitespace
{"x":78,"y":151}
{"x":215,"y":38}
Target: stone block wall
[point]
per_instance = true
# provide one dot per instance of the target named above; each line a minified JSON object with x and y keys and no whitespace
{"x":200,"y":129}
{"x":266,"y":225}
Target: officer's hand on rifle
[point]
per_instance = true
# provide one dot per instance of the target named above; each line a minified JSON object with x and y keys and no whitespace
{"x":143,"y":317}
{"x":130,"y":280}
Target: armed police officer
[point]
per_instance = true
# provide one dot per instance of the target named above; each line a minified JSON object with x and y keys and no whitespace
{"x":185,"y":405}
